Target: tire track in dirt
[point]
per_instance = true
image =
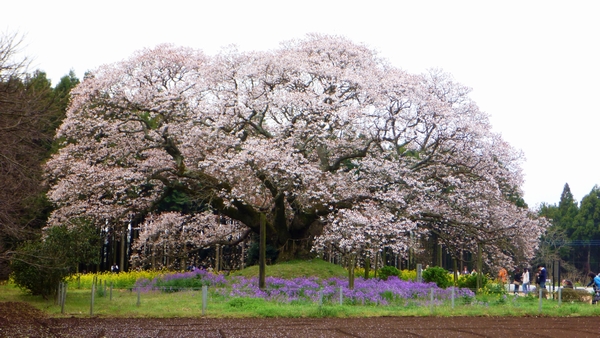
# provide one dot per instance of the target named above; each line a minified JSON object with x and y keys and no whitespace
{"x":23,"y":320}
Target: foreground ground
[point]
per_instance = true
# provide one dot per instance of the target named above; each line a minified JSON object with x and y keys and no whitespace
{"x":22,"y":320}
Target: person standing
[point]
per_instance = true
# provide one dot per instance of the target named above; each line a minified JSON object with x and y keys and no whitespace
{"x":503,"y":278}
{"x":502,"y":275}
{"x":595,"y":282}
{"x":517,"y":279}
{"x":526,"y":280}
{"x":465,"y":271}
{"x":541,"y":276}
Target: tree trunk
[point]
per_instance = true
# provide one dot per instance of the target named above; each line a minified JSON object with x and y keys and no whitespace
{"x":242,"y":260}
{"x":183,"y":260}
{"x":291,"y":238}
{"x":153,"y":260}
{"x":376,"y":263}
{"x":455,"y":272}
{"x":479,"y":266}
{"x":217,"y":257}
{"x":122,"y":255}
{"x":351,"y":272}
{"x":262,"y":252}
{"x":589,"y":254}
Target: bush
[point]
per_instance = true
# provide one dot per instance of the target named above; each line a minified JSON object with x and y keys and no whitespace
{"x":247,"y":303}
{"x":34,"y":269}
{"x":39,"y":266}
{"x":493,"y":289}
{"x":409,"y":275}
{"x":360,"y":272}
{"x":253,"y":253}
{"x":388,"y":271}
{"x":470,"y":281}
{"x":575,"y":295}
{"x":437,"y":275}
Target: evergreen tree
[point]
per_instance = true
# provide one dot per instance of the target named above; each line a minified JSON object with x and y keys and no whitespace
{"x":567,"y":211}
{"x":30,"y":111}
{"x":556,"y":243}
{"x":586,"y":228}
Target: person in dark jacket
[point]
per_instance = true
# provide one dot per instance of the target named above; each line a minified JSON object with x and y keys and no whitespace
{"x":517,"y":279}
{"x":593,"y":280}
{"x":542,"y":274}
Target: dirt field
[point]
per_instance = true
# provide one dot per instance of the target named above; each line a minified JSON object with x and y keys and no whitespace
{"x":22,"y":320}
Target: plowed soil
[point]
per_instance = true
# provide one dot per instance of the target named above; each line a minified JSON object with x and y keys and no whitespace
{"x":22,"y":320}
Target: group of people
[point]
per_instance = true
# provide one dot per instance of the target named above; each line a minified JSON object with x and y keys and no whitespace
{"x":523,"y":278}
{"x":466,"y":271}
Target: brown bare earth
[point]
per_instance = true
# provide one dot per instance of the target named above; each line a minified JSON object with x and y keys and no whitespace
{"x":22,"y":320}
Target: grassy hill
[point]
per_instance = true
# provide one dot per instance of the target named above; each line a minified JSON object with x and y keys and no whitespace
{"x":292,"y":269}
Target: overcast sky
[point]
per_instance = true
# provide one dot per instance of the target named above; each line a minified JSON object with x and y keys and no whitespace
{"x":534,"y":66}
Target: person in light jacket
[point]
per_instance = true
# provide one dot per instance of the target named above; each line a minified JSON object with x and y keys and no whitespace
{"x":526,"y":280}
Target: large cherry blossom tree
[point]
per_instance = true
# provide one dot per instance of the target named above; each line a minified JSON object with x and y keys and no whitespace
{"x":328,"y":140}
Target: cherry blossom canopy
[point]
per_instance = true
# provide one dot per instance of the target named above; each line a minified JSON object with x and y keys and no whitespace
{"x":332,"y":143}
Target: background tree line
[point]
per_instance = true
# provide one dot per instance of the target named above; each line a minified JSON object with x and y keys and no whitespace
{"x":31,"y":109}
{"x":574,"y":237}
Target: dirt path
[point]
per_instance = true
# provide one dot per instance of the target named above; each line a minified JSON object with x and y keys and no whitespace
{"x":21,"y":320}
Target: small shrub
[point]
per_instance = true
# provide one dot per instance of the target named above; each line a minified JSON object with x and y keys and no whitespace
{"x":575,"y":295}
{"x":409,"y":275}
{"x":501,"y":300}
{"x":253,"y":252}
{"x":437,"y":275}
{"x":100,"y":292}
{"x":388,"y":271}
{"x":529,"y":297}
{"x":387,"y":295}
{"x":360,"y":272}
{"x":325,"y":311}
{"x":470,"y":281}
{"x":492,"y":289}
{"x":246,"y":303}
{"x":467,"y":300}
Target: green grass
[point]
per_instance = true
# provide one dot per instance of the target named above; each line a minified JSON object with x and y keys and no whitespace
{"x":124,"y":303}
{"x":293,"y":269}
{"x":189,"y":304}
